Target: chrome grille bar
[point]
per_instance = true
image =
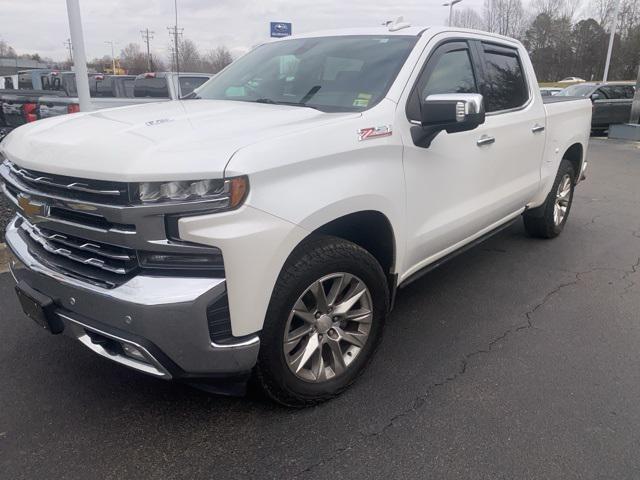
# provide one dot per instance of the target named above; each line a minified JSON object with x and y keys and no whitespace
{"x":47,"y":243}
{"x":48,"y":181}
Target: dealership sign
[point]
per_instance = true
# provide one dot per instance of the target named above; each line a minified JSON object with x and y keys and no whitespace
{"x":280,"y":29}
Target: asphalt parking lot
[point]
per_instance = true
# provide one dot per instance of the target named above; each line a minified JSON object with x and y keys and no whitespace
{"x":518,"y":359}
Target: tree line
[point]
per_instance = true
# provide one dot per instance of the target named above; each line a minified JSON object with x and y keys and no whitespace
{"x":565,"y":37}
{"x":134,"y":60}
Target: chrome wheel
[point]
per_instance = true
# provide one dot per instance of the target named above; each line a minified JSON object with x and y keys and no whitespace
{"x":328,"y":327}
{"x":563,"y":197}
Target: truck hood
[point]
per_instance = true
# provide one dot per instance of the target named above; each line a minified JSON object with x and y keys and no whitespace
{"x":179,"y":140}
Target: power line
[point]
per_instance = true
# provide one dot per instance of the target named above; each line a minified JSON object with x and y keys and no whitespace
{"x":175,"y":32}
{"x":147,"y":36}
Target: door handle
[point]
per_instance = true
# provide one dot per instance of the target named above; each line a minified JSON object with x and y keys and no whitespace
{"x":485,"y":140}
{"x":537,"y":128}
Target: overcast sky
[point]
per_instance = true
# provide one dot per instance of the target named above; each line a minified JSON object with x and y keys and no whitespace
{"x":41,"y":25}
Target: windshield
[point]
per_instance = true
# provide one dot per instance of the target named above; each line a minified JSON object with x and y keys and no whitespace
{"x":576,"y":91}
{"x":333,"y":74}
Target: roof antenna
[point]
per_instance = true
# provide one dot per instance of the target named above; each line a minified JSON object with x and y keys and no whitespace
{"x":398,"y":24}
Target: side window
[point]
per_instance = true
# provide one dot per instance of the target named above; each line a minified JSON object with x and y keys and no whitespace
{"x":629,"y":91}
{"x":452,"y":74}
{"x":603,"y":94}
{"x":612,"y":92}
{"x":504,"y":87}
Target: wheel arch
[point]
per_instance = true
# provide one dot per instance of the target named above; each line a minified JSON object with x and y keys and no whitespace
{"x":575,"y":154}
{"x":373,"y":231}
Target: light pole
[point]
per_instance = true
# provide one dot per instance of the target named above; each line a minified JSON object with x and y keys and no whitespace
{"x":113,"y":58}
{"x":79,"y":57}
{"x":614,"y":24}
{"x":450,"y":5}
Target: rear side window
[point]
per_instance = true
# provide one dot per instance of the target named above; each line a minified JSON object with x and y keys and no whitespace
{"x":25,"y":82}
{"x":151,"y":87}
{"x":504,"y":87}
{"x":189,"y":84}
{"x":127,"y":85}
{"x":102,"y":87}
{"x":629,"y":91}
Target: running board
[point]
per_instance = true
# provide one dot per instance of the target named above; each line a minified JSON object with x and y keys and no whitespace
{"x":432,"y":266}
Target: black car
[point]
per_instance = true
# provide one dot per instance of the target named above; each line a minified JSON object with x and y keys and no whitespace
{"x":611,"y":102}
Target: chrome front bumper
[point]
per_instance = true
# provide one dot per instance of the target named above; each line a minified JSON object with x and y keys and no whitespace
{"x":163,"y":318}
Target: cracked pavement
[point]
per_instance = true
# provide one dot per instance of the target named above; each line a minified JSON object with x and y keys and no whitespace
{"x":518,"y":359}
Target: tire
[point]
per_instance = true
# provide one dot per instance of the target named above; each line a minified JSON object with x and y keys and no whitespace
{"x":321,"y":260}
{"x":542,"y":222}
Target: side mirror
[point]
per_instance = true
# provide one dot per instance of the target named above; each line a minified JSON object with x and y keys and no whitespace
{"x":451,"y":112}
{"x":595,"y":96}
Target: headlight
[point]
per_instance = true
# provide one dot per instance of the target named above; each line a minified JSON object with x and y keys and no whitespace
{"x":227,"y":194}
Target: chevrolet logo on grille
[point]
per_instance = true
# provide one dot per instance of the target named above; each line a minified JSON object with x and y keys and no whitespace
{"x":31,"y":208}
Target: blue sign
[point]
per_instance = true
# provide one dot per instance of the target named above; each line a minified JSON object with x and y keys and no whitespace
{"x":280,"y":29}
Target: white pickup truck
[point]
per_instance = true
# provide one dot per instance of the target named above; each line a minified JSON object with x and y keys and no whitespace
{"x":265,"y":226}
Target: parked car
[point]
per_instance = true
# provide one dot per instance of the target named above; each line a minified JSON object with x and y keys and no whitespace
{"x":572,"y":80}
{"x":265,"y":226}
{"x":549,"y":91}
{"x":611,"y":102}
{"x":105,"y":90}
{"x":109,"y":91}
{"x":167,"y":85}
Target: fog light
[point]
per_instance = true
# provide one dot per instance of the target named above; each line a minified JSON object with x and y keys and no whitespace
{"x":133,"y":352}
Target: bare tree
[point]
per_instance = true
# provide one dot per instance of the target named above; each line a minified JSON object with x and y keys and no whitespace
{"x":189,"y":56}
{"x":467,"y":18}
{"x":216,"y":60}
{"x":6,"y":50}
{"x":133,"y":59}
{"x":506,"y":17}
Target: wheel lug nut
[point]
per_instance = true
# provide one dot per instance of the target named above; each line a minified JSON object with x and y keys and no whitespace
{"x":333,"y":334}
{"x":317,"y":314}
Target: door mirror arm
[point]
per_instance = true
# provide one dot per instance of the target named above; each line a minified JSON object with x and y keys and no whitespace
{"x":451,"y":112}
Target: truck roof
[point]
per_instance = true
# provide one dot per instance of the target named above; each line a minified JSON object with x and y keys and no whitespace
{"x":410,"y":30}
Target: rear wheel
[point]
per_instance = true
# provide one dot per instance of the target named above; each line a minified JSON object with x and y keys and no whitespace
{"x":548,"y":220}
{"x":324,"y":322}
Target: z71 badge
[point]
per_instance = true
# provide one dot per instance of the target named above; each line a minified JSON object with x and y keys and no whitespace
{"x":374,"y":132}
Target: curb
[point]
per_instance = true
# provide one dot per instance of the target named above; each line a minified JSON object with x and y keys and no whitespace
{"x":4,"y":258}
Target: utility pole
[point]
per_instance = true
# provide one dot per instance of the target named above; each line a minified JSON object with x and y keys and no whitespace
{"x":80,"y":60}
{"x":68,"y":45}
{"x":113,"y":58}
{"x":614,"y":24}
{"x":147,"y":36}
{"x":450,"y":4}
{"x":175,"y":31}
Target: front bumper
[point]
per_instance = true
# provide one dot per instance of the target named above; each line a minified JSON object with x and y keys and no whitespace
{"x":164,"y":318}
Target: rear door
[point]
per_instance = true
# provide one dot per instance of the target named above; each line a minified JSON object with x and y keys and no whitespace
{"x":618,"y":106}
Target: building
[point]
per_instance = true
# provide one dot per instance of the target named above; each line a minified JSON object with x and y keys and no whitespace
{"x":10,"y":66}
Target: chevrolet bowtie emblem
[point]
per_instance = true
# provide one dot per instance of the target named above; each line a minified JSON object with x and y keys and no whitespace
{"x":31,"y":208}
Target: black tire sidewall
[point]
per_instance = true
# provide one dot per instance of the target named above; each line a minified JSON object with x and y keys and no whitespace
{"x":319,"y":257}
{"x":565,"y":168}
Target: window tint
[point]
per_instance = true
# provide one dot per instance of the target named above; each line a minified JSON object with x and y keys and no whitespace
{"x":101,"y":87}
{"x":629,"y":91}
{"x":612,"y":92}
{"x":189,"y":84}
{"x":150,"y":87}
{"x":452,"y":74}
{"x":24,"y":81}
{"x":504,"y":86}
{"x":128,"y":83}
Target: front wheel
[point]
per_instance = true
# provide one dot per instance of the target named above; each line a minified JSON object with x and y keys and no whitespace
{"x":324,"y":322}
{"x":548,"y":220}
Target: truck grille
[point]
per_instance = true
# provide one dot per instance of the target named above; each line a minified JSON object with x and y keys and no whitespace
{"x":94,"y":261}
{"x":69,"y":187}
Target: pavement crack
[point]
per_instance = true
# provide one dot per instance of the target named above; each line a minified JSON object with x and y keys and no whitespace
{"x":420,"y":400}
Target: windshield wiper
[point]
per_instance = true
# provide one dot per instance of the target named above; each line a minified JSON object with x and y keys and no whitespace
{"x":293,"y":104}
